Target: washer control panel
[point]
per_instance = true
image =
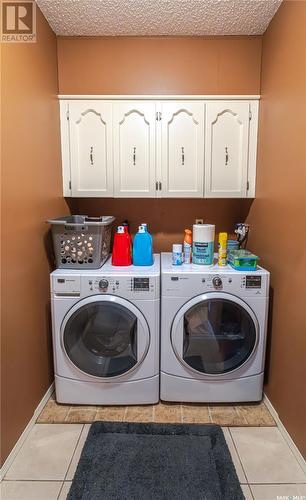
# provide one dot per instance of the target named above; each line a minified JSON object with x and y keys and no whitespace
{"x":183,"y":284}
{"x":142,"y":287}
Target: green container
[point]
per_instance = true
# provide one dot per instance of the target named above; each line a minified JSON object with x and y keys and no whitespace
{"x":243,"y":260}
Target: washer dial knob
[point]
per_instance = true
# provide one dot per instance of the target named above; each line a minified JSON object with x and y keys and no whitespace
{"x":217,"y":282}
{"x":103,"y":284}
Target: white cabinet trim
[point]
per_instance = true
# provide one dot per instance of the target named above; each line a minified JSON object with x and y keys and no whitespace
{"x":65,"y":147}
{"x":252,"y":156}
{"x":209,"y":97}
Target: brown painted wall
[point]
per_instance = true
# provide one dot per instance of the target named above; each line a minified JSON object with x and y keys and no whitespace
{"x":278,"y":214}
{"x":31,"y":192}
{"x":168,"y":218}
{"x":160,"y":65}
{"x":179,"y":65}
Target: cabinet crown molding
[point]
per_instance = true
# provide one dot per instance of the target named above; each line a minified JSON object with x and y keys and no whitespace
{"x":156,"y":97}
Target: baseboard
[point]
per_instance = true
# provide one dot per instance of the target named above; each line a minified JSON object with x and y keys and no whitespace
{"x":296,"y":452}
{"x":8,"y":462}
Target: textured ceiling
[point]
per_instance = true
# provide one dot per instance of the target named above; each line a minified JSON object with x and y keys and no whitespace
{"x":158,"y":17}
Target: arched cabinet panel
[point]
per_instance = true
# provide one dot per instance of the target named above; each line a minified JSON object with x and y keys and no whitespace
{"x":226,"y":156}
{"x":182,"y":149}
{"x":91,"y":155}
{"x":134,"y":149}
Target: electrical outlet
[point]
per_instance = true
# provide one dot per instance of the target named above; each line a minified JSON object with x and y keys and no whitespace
{"x":199,"y":221}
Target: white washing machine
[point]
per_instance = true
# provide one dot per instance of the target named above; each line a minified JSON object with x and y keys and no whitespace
{"x":213,"y":333}
{"x":106,"y":334}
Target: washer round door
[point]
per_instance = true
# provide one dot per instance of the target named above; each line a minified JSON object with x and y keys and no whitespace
{"x":214,"y":333}
{"x":105,"y":336}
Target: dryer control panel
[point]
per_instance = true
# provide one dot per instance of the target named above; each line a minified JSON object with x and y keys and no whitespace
{"x":189,"y":285}
{"x":142,"y":287}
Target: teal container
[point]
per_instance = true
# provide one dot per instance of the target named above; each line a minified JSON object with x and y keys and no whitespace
{"x":203,"y":237}
{"x":243,"y":260}
{"x":143,"y":248}
{"x":203,"y":253}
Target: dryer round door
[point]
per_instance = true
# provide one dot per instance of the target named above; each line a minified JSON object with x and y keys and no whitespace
{"x":214,"y":333}
{"x":105,"y":336}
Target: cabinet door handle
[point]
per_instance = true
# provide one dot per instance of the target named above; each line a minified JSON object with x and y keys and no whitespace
{"x":226,"y":156}
{"x":183,"y":156}
{"x":160,"y":186}
{"x":91,"y":156}
{"x":134,"y":156}
{"x":156,"y":186}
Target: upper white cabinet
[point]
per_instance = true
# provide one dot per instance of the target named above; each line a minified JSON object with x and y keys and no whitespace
{"x":134,"y":149}
{"x":90,"y":148}
{"x":159,"y":147}
{"x":182,"y":149}
{"x":227,"y":146}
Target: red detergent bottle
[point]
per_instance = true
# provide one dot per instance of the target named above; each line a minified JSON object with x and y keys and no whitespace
{"x":126,"y":230}
{"x":121,"y":255}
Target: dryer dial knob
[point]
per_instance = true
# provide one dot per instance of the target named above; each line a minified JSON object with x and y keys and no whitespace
{"x":217,"y":282}
{"x":103,"y":284}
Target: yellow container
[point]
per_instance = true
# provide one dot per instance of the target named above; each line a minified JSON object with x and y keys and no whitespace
{"x":222,"y":250}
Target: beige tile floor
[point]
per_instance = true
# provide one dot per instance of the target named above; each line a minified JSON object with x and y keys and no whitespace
{"x":45,"y":465}
{"x":225,"y":415}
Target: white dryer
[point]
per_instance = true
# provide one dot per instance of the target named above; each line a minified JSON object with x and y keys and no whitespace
{"x":106,"y":334}
{"x":213,"y":333}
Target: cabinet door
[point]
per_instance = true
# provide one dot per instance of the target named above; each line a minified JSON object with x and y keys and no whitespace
{"x":182,"y":149}
{"x":226,"y":144}
{"x":134,"y":149}
{"x":90,"y":127}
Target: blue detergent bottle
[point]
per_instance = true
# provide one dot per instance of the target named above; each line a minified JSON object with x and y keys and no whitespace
{"x":145,"y":225}
{"x":142,"y":248}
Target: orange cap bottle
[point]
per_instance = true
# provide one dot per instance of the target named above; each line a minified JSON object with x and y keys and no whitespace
{"x":187,"y":246}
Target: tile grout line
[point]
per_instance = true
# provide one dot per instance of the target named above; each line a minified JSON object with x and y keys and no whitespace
{"x":239,"y":458}
{"x":249,"y":488}
{"x":66,"y":417}
{"x":73,"y":453}
{"x":94,"y":418}
{"x":60,"y":491}
{"x":209,"y":414}
{"x":243,"y":416}
{"x":124,"y":414}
